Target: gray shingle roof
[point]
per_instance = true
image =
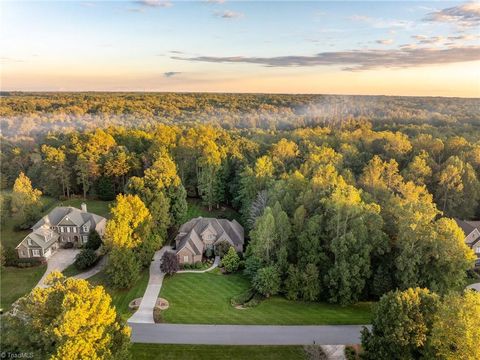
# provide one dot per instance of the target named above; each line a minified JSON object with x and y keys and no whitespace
{"x":465,"y":226}
{"x":188,"y":232}
{"x":67,"y":215}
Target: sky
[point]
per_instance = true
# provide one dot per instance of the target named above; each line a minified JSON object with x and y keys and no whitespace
{"x":330,"y":47}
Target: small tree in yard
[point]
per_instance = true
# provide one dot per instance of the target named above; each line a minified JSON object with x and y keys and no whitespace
{"x":231,"y":260}
{"x":267,"y":281}
{"x":169,"y":264}
{"x":123,"y":268}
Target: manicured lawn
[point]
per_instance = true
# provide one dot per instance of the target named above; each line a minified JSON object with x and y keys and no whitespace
{"x":16,"y":282}
{"x":72,"y":270}
{"x":216,"y":352}
{"x":196,"y":209}
{"x":121,"y":298}
{"x":210,"y":294}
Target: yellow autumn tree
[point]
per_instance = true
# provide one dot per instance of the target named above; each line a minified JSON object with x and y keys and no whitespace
{"x":69,"y":319}
{"x":456,"y":331}
{"x":128,"y":215}
{"x":25,"y":199}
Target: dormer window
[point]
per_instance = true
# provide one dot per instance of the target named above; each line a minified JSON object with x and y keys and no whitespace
{"x":85,"y":228}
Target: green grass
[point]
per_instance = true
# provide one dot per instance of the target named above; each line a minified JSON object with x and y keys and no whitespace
{"x":196,"y":209}
{"x":121,"y":298}
{"x":72,"y":270}
{"x":210,"y":294}
{"x":216,"y":352}
{"x":16,"y":282}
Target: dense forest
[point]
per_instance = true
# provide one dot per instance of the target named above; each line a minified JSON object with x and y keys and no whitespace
{"x":25,"y":115}
{"x":343,"y":198}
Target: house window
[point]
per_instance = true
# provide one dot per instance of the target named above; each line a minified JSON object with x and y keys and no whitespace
{"x":61,"y":229}
{"x":68,"y":229}
{"x":74,"y":229}
{"x":29,"y":241}
{"x":36,"y":252}
{"x":85,"y":228}
{"x":23,"y":253}
{"x":185,"y":258}
{"x":85,"y":239}
{"x":478,"y":250}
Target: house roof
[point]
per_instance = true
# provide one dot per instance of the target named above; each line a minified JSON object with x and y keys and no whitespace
{"x":67,"y":215}
{"x":465,"y":226}
{"x":42,"y":237}
{"x":188,"y":233}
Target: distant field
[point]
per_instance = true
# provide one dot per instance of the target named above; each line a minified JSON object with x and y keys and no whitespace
{"x":210,"y":295}
{"x":215,"y":352}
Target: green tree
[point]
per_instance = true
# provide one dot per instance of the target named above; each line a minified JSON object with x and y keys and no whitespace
{"x":293,"y":283}
{"x":400,"y":325}
{"x":310,"y":283}
{"x":69,"y":319}
{"x":123,"y":268}
{"x":267,"y":281}
{"x":231,"y":260}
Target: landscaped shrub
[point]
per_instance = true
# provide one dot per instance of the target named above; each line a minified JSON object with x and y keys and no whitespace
{"x":209,"y":253}
{"x":29,"y":262}
{"x":254,"y":301}
{"x":94,"y":240}
{"x":231,"y":260}
{"x":186,"y":266}
{"x":242,"y":298}
{"x":198,"y":265}
{"x":11,"y":256}
{"x":85,"y":259}
{"x":350,"y":353}
{"x":169,"y":264}
{"x":222,"y":248}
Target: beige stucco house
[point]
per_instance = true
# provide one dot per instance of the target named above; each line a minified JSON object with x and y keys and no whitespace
{"x":199,"y":234}
{"x":64,"y":224}
{"x":472,"y":236}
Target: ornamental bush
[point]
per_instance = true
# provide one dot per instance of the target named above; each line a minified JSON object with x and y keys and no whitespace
{"x":85,"y":259}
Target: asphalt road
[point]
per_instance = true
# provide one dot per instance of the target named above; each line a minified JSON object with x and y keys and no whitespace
{"x":245,"y":334}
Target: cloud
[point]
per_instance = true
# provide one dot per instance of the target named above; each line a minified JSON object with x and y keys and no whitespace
{"x":228,"y":14}
{"x":465,"y":15}
{"x":170,"y":74}
{"x":382,"y":23}
{"x":385,"y":41}
{"x":155,"y":3}
{"x":216,"y":1}
{"x":432,"y":40}
{"x":354,"y":60}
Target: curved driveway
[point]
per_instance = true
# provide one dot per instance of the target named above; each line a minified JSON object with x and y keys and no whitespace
{"x":59,"y":262}
{"x":144,"y":314}
{"x":245,"y":334}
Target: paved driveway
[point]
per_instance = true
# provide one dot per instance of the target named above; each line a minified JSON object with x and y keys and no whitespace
{"x":144,"y":314}
{"x":245,"y":334}
{"x":59,"y":261}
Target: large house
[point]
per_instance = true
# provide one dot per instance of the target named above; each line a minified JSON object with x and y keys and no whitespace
{"x":63,"y":225}
{"x":200,"y":234}
{"x":472,"y":235}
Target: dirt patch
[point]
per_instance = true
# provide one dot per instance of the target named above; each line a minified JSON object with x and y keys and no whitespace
{"x":240,"y":307}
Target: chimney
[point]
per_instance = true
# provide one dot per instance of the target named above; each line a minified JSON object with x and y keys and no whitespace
{"x":84,"y":207}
